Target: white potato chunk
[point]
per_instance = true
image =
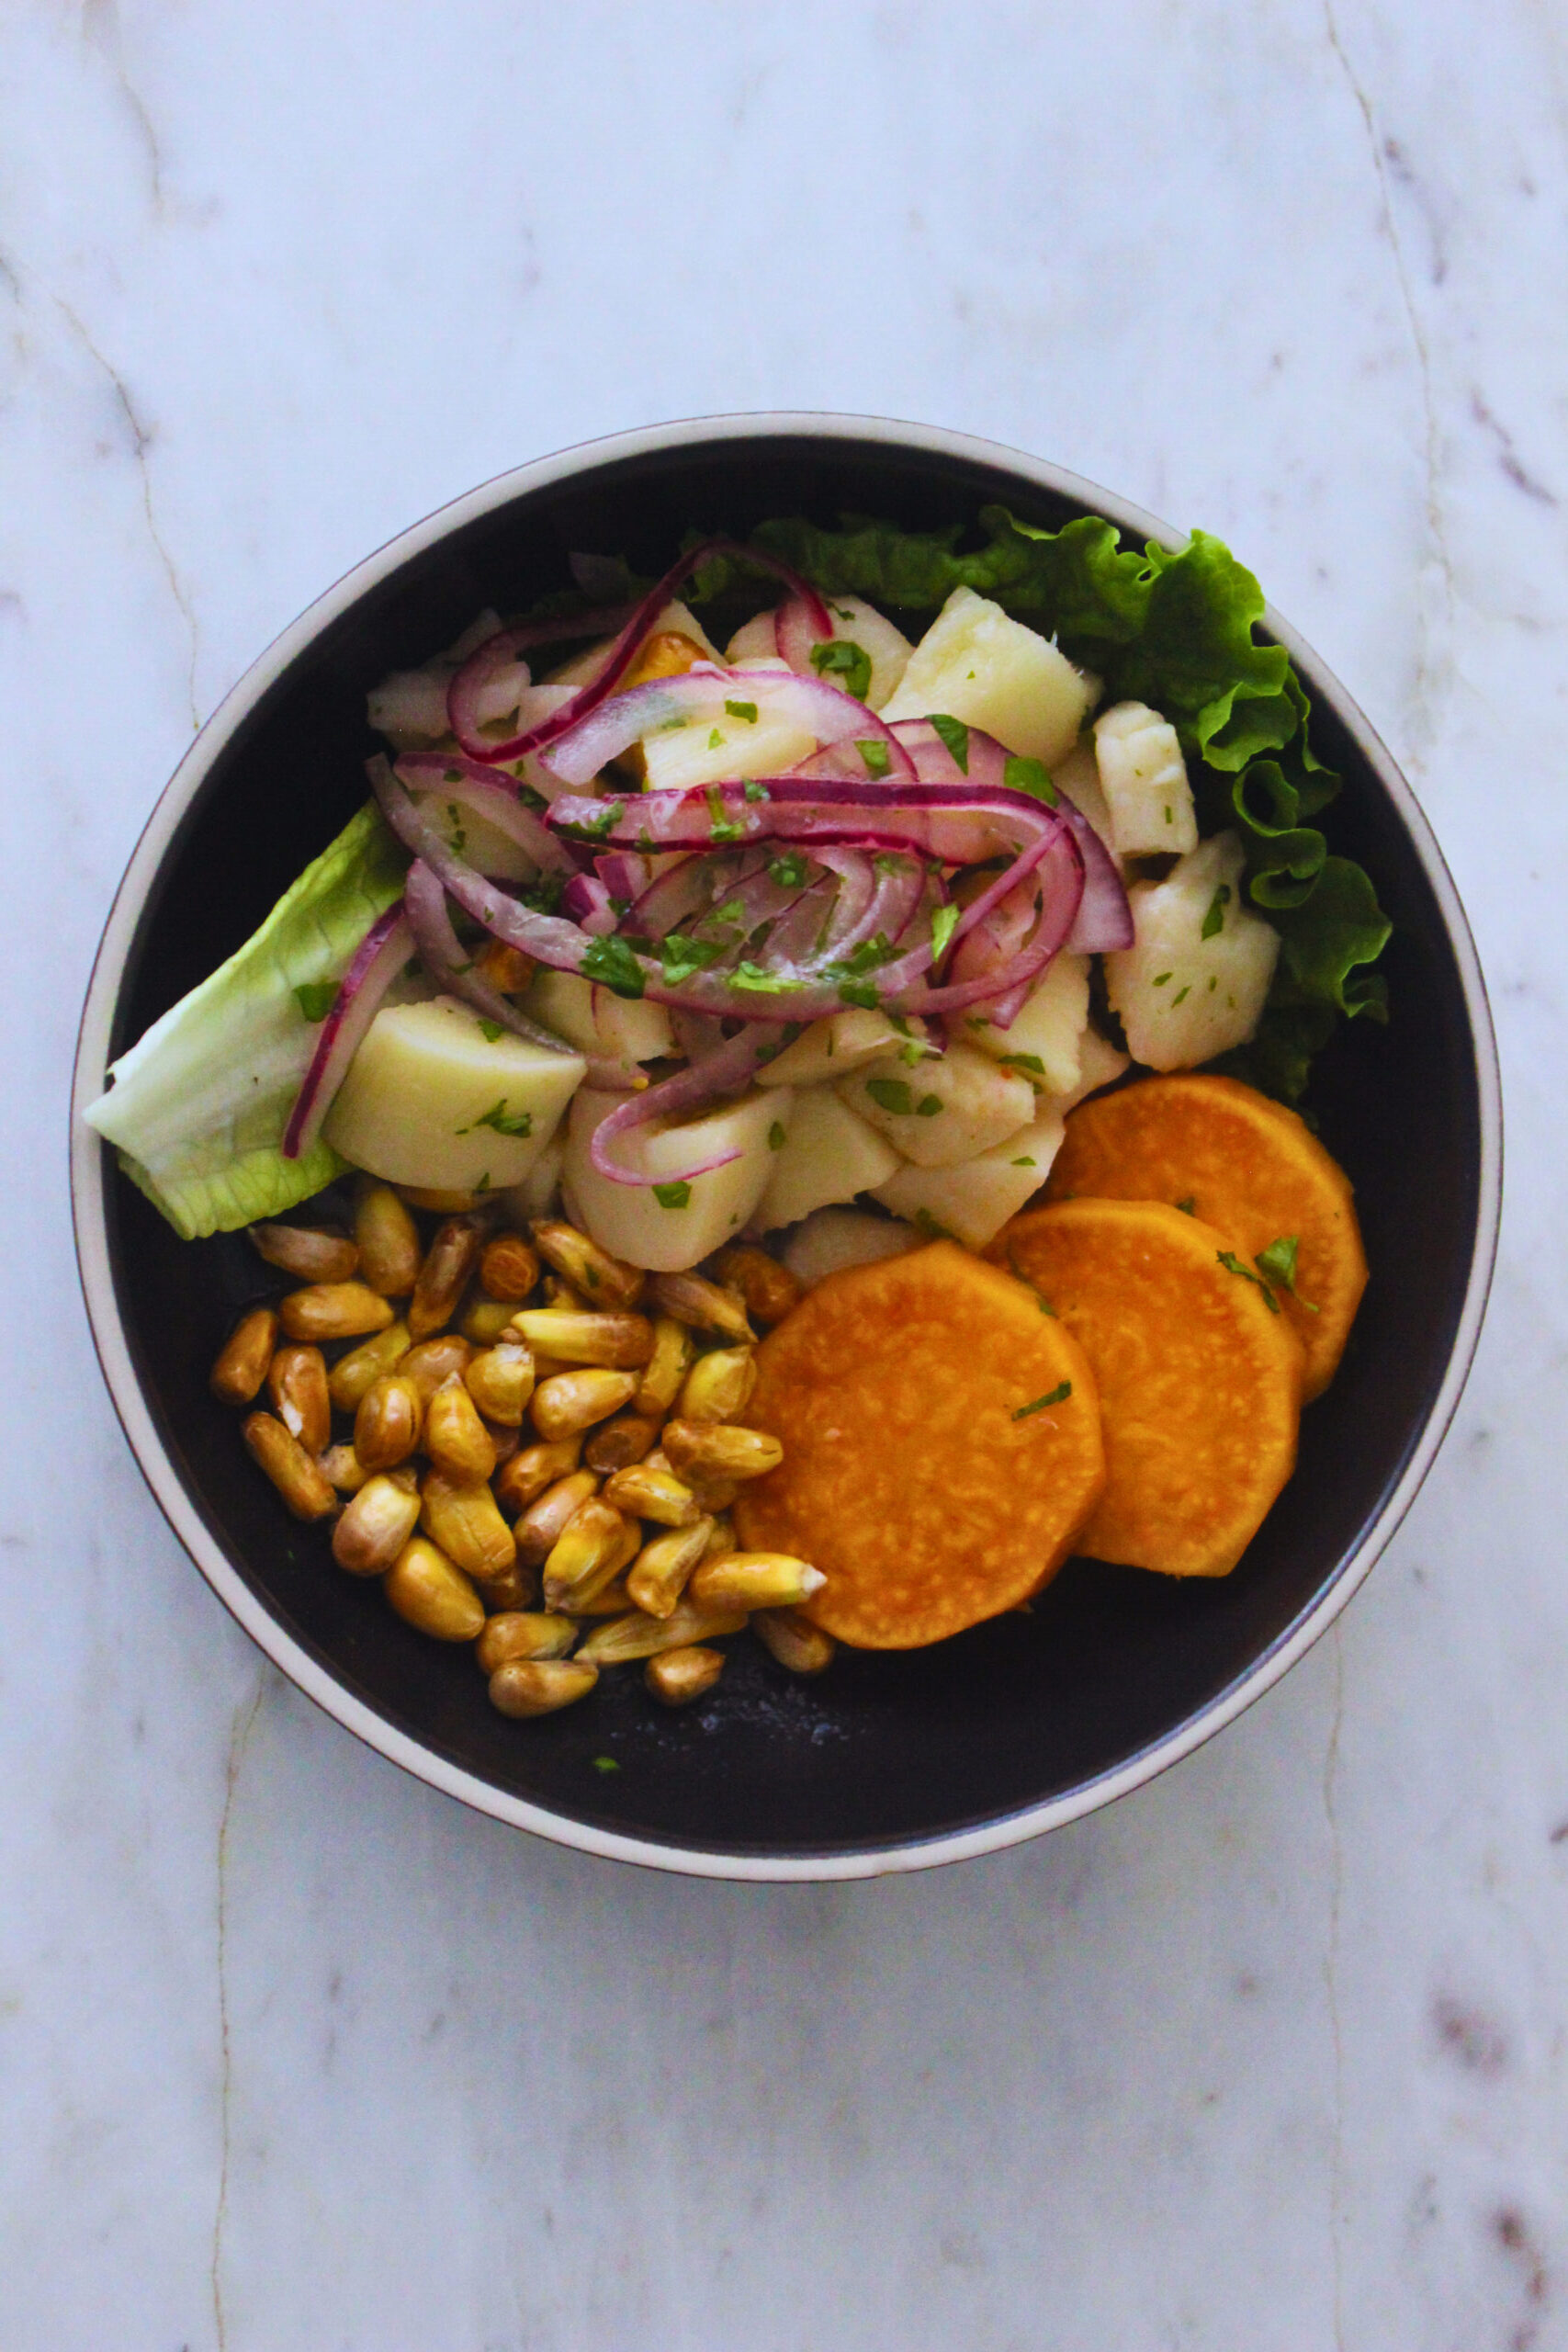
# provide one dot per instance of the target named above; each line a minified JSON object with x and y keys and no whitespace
{"x":710,"y":744}
{"x":973,"y":1203}
{"x":834,"y":1238}
{"x":596,"y":1021}
{"x":1144,"y":779}
{"x":696,"y":1215}
{"x":976,"y":663}
{"x":753,"y":642}
{"x":1184,"y":997}
{"x":885,"y":646}
{"x":429,"y":1100}
{"x":941,"y":1113}
{"x":829,"y":1155}
{"x":676,"y":618}
{"x":1079,"y":776}
{"x":843,"y":1043}
{"x":472,"y":837}
{"x":1043,"y":1043}
{"x":1098,"y":1063}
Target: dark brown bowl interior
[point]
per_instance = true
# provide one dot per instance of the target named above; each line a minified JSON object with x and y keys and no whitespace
{"x":885,"y":1750}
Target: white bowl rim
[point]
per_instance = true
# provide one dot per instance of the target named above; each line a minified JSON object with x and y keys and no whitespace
{"x":88,"y":1160}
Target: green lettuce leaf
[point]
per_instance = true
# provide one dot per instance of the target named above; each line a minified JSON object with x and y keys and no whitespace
{"x":198,"y":1105}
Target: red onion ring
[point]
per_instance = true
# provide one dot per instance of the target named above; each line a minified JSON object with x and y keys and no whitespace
{"x":491,"y":793}
{"x":634,"y":627}
{"x":374,"y":965}
{"x":725,"y":1071}
{"x":824,"y":711}
{"x":587,"y":900}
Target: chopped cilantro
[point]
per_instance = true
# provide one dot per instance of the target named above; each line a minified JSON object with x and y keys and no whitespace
{"x":928,"y":1106}
{"x":956,"y":735}
{"x":1233,"y":1265}
{"x":776,"y":1137}
{"x":716,"y":738}
{"x":605,"y":1764}
{"x":751,"y":976}
{"x":1188,"y":1207}
{"x":489,"y":1030}
{"x":720,"y":827}
{"x":789,"y":870}
{"x":944,"y":922}
{"x":681,"y":957}
{"x":746,"y":710}
{"x":877,"y":758}
{"x":1160,"y":978}
{"x":1214,"y":921}
{"x":932,"y":1228}
{"x":1025,"y":1162}
{"x":1277,"y":1264}
{"x":483,"y":1184}
{"x":597,"y":828}
{"x":1030,"y":1062}
{"x":316,"y":998}
{"x":1057,"y":1395}
{"x":893,"y":1094}
{"x":752,"y":790}
{"x":1181,"y":996}
{"x":844,"y":659}
{"x":459,"y":837}
{"x":673,"y":1196}
{"x":611,"y":963}
{"x":504,"y":1122}
{"x":1031,"y":777}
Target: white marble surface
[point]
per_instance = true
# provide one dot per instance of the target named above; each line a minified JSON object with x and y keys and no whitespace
{"x":294,"y":2052}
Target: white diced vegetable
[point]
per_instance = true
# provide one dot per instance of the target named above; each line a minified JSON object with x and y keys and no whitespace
{"x":1098,"y":1063}
{"x":755,"y":641}
{"x":976,"y":663}
{"x":475,"y":839}
{"x":835,"y":1239}
{"x":829,"y":1155}
{"x":670,"y":1223}
{"x":1043,"y":1043}
{"x":708,"y":745}
{"x":1143,"y":778}
{"x":885,"y":647}
{"x":1194,"y":980}
{"x":942,"y":1112}
{"x":1079,"y":776}
{"x":431,"y":1100}
{"x":596,"y":1021}
{"x":843,"y":1043}
{"x":973,"y":1203}
{"x":409,"y":706}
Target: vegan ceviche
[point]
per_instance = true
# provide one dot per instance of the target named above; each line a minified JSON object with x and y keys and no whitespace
{"x":797,"y":1059}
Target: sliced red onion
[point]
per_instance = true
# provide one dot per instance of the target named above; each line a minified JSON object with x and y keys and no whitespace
{"x":962,"y":828}
{"x":491,"y":793}
{"x":468,"y":697}
{"x":587,"y":901}
{"x":795,"y":632}
{"x":725,"y":1071}
{"x":633,"y":628}
{"x":624,"y":875}
{"x":374,"y":965}
{"x":1104,"y":917}
{"x":820,"y":709}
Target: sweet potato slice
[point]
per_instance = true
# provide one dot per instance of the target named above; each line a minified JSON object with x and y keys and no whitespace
{"x":1243,"y":1164}
{"x":941,"y":1446}
{"x":1200,"y":1381}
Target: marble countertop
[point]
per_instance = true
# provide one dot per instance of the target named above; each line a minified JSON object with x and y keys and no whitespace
{"x":294,"y":2052}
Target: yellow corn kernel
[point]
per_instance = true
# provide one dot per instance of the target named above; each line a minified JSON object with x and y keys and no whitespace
{"x":389,"y":1241}
{"x":600,"y":1279}
{"x":720,"y":1385}
{"x":333,"y":1311}
{"x":616,"y":1341}
{"x":461,"y":1516}
{"x":485,"y":1321}
{"x":677,"y":1677}
{"x":454,"y":1437}
{"x":587,"y":1552}
{"x":755,"y":1580}
{"x":769,"y":1289}
{"x":430,"y":1592}
{"x":303,"y":1488}
{"x":639,"y":1636}
{"x":616,"y":1444}
{"x":707,"y":1307}
{"x":799,"y":1646}
{"x":305,"y":1252}
{"x":353,"y":1373}
{"x":525,"y":1686}
{"x":442,"y":1278}
{"x":718,"y":1451}
{"x":386,"y":1425}
{"x":523,"y":1477}
{"x":645,"y":1492}
{"x":242,"y":1360}
{"x":342,"y":1467}
{"x":505,"y":969}
{"x":570,"y":1401}
{"x":500,"y":1382}
{"x":518,"y":1632}
{"x":374,"y":1526}
{"x":434,"y":1361}
{"x":540,"y":1524}
{"x":663,"y":1566}
{"x":508,"y":1269}
{"x":673,"y":1348}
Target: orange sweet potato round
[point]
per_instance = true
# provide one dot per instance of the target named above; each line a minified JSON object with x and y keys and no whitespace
{"x":1199,"y":1383}
{"x":941,"y":1446}
{"x":1244,"y":1164}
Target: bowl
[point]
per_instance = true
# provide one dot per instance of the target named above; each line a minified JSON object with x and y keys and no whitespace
{"x":891,"y":1761}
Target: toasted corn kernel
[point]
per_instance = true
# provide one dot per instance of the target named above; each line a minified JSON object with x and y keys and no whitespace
{"x":525,"y":1686}
{"x":509,"y":1270}
{"x":769,"y":1289}
{"x":518,"y":1588}
{"x":306,"y":1252}
{"x":374,"y":1526}
{"x":613,"y":1600}
{"x":353,"y":1373}
{"x":542,"y":1522}
{"x":518,"y":1632}
{"x":461,"y":1516}
{"x":659,"y":1578}
{"x":755,"y":1580}
{"x":386,"y":1425}
{"x":431,"y":1593}
{"x":449,"y":1260}
{"x":505,"y":1440}
{"x":584,"y":1556}
{"x":500,"y":1382}
{"x":720,"y":1385}
{"x":799,"y":1646}
{"x":303,"y":1488}
{"x":648,"y":1493}
{"x":559,"y":1293}
{"x":439,"y":1200}
{"x":485,"y":1320}
{"x":434,"y":1361}
{"x":570,"y":1401}
{"x":389,"y":1241}
{"x":722,"y":1540}
{"x":625,"y":1638}
{"x":333,"y":1311}
{"x":342,"y":1467}
{"x":616,"y":1444}
{"x":454,"y":1437}
{"x":707,"y":1307}
{"x":296,"y":1382}
{"x":616,"y":1341}
{"x":673,"y":1348}
{"x":244,"y":1356}
{"x":505,"y":969}
{"x":715,"y":1450}
{"x":677,"y":1677}
{"x":600,"y":1278}
{"x":531,"y":1468}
